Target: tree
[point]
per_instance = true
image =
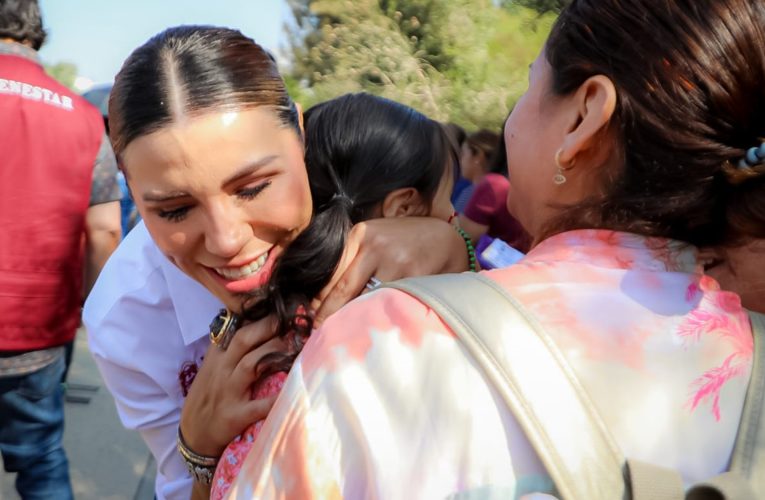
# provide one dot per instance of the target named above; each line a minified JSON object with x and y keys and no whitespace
{"x":64,"y":72}
{"x":541,"y":6}
{"x":456,"y":60}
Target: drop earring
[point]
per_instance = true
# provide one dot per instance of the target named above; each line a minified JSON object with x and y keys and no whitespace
{"x":559,"y":178}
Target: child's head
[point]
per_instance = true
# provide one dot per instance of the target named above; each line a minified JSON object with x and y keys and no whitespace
{"x":373,"y":158}
{"x":367,"y":157}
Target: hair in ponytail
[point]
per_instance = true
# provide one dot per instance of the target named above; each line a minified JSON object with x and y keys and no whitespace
{"x":359,"y":148}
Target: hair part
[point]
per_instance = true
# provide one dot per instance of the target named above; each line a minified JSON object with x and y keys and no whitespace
{"x":690,"y":102}
{"x":187,"y":71}
{"x":20,"y":20}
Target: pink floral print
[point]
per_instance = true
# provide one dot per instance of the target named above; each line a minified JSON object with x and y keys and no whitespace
{"x":384,"y":403}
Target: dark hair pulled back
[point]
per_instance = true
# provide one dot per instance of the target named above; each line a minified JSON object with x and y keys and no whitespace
{"x":20,"y":20}
{"x":190,"y":70}
{"x":359,"y":148}
{"x":690,"y":101}
{"x":483,"y":141}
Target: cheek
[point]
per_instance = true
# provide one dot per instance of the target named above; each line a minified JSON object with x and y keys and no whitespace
{"x":530,"y":182}
{"x":292,"y":205}
{"x":176,"y":243}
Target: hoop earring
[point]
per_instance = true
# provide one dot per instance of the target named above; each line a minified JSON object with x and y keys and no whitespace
{"x":559,"y":178}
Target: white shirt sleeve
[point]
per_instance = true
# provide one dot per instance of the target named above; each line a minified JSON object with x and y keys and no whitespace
{"x":136,"y":339}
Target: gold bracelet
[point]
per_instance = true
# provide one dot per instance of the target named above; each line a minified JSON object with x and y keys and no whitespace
{"x":201,"y":468}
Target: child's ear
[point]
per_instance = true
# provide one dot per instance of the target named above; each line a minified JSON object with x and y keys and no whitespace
{"x":404,"y":202}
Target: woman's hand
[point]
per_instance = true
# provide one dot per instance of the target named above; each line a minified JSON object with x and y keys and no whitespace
{"x":220,"y":405}
{"x":390,"y":249}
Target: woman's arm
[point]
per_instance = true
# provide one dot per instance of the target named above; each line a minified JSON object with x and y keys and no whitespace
{"x":135,"y":335}
{"x":391,"y":249}
{"x":144,"y":406}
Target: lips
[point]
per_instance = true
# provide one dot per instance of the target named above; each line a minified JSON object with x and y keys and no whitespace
{"x":243,"y":272}
{"x":249,"y":277}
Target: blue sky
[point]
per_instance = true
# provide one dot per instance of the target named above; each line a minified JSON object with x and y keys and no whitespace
{"x":98,"y":35}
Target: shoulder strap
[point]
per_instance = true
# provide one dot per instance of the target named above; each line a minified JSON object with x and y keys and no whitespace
{"x":746,"y":478}
{"x":533,"y":379}
{"x":749,"y":453}
{"x":525,"y":367}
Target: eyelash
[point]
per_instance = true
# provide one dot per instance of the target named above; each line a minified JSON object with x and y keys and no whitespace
{"x":175,"y":215}
{"x":178,"y":214}
{"x":250,"y":193}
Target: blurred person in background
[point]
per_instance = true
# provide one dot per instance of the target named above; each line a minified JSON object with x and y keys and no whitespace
{"x":457,"y":135}
{"x":59,"y":217}
{"x":485,"y":216}
{"x":475,"y":154}
{"x":99,"y":97}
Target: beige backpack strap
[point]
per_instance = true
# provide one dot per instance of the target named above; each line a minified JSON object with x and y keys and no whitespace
{"x":531,"y":375}
{"x":652,"y":482}
{"x":525,"y":367}
{"x":748,"y":458}
{"x":746,"y":478}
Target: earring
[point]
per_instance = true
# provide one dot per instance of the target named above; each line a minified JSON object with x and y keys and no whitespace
{"x":559,"y":178}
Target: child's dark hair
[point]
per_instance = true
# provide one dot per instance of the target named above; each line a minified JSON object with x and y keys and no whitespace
{"x":359,"y":148}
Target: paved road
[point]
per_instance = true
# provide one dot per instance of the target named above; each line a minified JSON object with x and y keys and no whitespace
{"x":106,"y":461}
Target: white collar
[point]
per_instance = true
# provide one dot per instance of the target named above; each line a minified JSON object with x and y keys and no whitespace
{"x":195,"y":307}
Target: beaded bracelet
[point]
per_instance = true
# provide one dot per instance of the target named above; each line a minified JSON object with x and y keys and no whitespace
{"x":470,"y":248}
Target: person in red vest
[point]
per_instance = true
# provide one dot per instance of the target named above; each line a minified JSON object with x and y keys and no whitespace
{"x":59,"y":221}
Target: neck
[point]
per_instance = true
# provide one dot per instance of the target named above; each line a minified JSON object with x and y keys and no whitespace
{"x":11,"y":40}
{"x":478,"y":178}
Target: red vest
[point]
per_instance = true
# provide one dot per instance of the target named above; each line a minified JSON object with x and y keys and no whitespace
{"x":49,"y":140}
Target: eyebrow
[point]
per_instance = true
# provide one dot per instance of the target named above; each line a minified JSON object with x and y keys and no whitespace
{"x":155,"y":196}
{"x":249,"y":169}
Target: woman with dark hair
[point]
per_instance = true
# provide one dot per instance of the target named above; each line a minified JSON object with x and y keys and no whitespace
{"x":367,"y":157}
{"x":484,"y":215}
{"x":211,"y":146}
{"x":477,"y":150}
{"x":639,"y":140}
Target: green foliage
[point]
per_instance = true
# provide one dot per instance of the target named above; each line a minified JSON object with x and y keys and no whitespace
{"x":464,"y":61}
{"x":64,"y":72}
{"x":541,"y":6}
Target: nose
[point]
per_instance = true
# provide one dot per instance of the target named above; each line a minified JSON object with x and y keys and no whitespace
{"x":227,"y":231}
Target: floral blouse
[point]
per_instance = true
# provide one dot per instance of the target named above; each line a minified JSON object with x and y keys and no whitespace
{"x":383,"y":402}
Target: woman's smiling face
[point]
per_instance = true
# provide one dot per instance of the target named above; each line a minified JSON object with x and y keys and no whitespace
{"x":222,"y":195}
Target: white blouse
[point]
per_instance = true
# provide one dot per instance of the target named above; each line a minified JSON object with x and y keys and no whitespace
{"x":147,"y":328}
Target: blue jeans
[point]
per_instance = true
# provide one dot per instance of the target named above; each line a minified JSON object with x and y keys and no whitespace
{"x":31,"y":432}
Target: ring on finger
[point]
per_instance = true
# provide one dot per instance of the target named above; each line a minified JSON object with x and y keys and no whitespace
{"x":223,"y":327}
{"x":373,"y":284}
